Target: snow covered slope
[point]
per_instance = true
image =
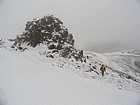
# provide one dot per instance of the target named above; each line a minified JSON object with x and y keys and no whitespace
{"x":31,"y":78}
{"x":127,"y":61}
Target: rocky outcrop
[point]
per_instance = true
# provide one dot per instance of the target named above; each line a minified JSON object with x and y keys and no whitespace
{"x":51,"y":32}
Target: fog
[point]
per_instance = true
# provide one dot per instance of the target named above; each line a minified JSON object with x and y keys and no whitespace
{"x":97,"y":25}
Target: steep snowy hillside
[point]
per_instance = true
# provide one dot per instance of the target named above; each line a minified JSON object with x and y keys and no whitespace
{"x":42,"y":67}
{"x":91,"y":69}
{"x":31,"y":78}
{"x":26,"y":79}
{"x":127,"y":61}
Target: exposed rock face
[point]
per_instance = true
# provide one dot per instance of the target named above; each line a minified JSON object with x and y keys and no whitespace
{"x":51,"y":32}
{"x":0,"y":41}
{"x":47,"y":30}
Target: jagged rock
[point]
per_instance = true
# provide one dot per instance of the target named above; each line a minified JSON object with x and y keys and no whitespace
{"x":51,"y":32}
{"x":46,"y":30}
{"x":0,"y":41}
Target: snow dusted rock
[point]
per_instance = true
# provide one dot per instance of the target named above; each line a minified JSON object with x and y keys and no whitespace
{"x":51,"y":32}
{"x":1,"y":43}
{"x":6,"y":43}
{"x":48,"y":30}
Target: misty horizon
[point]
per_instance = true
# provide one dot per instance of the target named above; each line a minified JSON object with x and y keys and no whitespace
{"x":99,"y":26}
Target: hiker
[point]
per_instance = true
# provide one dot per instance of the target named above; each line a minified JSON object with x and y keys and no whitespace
{"x":103,"y":69}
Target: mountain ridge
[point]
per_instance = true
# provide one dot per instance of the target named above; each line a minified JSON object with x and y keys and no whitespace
{"x":45,"y":64}
{"x":90,"y":68}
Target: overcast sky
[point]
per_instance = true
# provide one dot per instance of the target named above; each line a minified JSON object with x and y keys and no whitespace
{"x":97,"y":25}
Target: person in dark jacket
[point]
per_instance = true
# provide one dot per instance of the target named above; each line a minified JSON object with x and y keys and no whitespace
{"x":103,"y":69}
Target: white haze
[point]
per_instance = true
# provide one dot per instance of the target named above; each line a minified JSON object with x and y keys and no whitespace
{"x":97,"y":25}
